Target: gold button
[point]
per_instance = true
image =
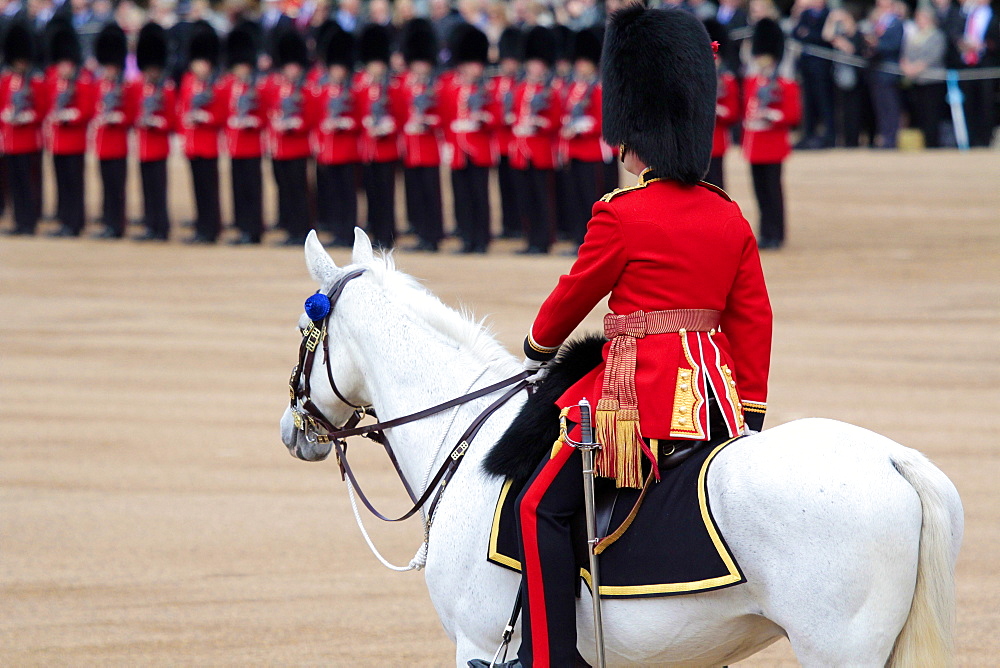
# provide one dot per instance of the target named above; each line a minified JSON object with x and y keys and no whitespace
{"x":682,"y":409}
{"x":733,"y":383}
{"x":711,"y":332}
{"x":681,"y":420}
{"x":685,"y":374}
{"x":683,"y":386}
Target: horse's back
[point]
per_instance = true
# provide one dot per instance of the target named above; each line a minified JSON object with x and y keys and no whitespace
{"x":826,"y":529}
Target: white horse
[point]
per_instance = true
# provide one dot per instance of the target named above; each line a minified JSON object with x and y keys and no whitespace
{"x":848,"y":540}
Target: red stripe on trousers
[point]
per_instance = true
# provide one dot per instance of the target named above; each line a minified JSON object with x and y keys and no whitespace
{"x":532,"y":561}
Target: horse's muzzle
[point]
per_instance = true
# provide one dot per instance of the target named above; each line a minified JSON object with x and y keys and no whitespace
{"x":299,"y":444}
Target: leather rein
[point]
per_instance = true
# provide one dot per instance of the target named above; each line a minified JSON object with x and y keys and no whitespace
{"x":310,"y":420}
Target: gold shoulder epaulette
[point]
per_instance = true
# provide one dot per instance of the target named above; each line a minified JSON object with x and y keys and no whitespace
{"x":620,"y":191}
{"x":716,"y":189}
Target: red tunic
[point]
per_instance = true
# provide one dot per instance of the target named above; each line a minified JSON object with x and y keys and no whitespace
{"x":381,"y":118}
{"x":201,"y":135}
{"x":245,"y":118}
{"x":727,"y":113}
{"x":470,"y":139}
{"x":503,"y":137}
{"x":582,"y":110}
{"x":767,"y":142}
{"x":22,"y":108}
{"x":157,"y":119}
{"x":336,"y":137}
{"x":69,"y":137}
{"x":537,"y":147}
{"x":285,"y":101}
{"x":420,"y":127}
{"x":111,"y":136}
{"x":660,"y":246}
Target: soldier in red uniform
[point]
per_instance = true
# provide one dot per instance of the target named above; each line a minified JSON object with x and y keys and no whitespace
{"x":510,"y":47}
{"x":337,"y":137}
{"x":245,"y":122}
{"x":22,"y":105}
{"x":690,"y":328}
{"x":118,"y":104}
{"x":71,"y":98}
{"x":581,"y":134}
{"x":772,"y":107}
{"x":727,"y":104}
{"x":538,"y":111}
{"x":419,"y":96}
{"x":381,"y":122}
{"x":202,"y":112}
{"x":157,"y":119}
{"x":471,"y":113}
{"x":291,"y":113}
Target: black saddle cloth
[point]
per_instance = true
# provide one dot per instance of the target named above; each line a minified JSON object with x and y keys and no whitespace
{"x":672,"y":545}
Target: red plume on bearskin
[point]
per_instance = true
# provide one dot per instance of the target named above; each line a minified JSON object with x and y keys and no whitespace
{"x":659,"y":90}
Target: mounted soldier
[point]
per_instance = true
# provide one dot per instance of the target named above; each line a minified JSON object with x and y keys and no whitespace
{"x":690,"y":328}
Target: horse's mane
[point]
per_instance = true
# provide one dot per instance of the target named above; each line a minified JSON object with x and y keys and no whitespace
{"x":471,"y":335}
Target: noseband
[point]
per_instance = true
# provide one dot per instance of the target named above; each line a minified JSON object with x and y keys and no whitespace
{"x":317,"y":428}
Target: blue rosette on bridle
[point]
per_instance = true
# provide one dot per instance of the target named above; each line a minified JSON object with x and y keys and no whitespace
{"x":318,"y":307}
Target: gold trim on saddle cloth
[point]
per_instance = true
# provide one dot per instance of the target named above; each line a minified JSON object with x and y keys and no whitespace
{"x":733,"y":576}
{"x":617,"y":417}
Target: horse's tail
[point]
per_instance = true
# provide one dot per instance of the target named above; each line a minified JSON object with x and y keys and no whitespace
{"x":927,"y":636}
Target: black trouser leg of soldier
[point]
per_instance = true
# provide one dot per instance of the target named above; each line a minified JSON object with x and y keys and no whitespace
{"x":462,"y":197}
{"x":479,"y":215}
{"x":771,"y":200}
{"x":584,"y":179}
{"x":24,"y":176}
{"x":337,"y":199}
{"x":541,"y":186}
{"x":380,"y":189}
{"x":69,"y":185}
{"x":293,"y":197}
{"x":248,"y":212}
{"x":714,"y":175}
{"x":415,"y":214}
{"x":154,"y":198}
{"x":113,"y":174}
{"x":205,"y":176}
{"x":549,"y":573}
{"x":512,"y":228}
{"x":427,"y":197}
{"x":3,"y":184}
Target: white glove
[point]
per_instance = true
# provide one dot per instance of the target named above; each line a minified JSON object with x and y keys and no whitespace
{"x":536,"y":370}
{"x":747,"y":431}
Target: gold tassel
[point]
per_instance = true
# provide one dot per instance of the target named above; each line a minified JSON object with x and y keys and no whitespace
{"x":629,"y":446}
{"x":605,"y":433}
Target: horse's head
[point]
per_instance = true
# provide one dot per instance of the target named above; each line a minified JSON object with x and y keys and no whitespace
{"x":326,"y":385}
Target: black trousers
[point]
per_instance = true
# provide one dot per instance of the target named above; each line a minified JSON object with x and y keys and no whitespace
{"x":848,"y":105}
{"x":69,"y":191}
{"x":423,"y":202}
{"x":154,"y":197}
{"x":380,"y":191}
{"x":293,"y":196}
{"x":927,"y":106}
{"x":248,"y":184}
{"x":24,"y":179}
{"x":771,"y":201}
{"x":113,"y":175}
{"x":817,"y":98}
{"x":509,"y":214}
{"x":886,"y":100}
{"x":586,"y":180}
{"x":205,"y":177}
{"x":715,"y":174}
{"x":337,"y":201}
{"x":979,"y":101}
{"x":471,"y":188}
{"x":537,"y":188}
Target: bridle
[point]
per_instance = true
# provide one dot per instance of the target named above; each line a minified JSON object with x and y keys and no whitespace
{"x":317,"y":428}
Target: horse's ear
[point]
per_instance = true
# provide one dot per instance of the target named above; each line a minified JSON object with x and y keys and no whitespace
{"x":318,"y":261}
{"x":363,"y":253}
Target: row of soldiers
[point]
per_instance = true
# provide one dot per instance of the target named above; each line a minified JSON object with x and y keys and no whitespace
{"x":349,"y":115}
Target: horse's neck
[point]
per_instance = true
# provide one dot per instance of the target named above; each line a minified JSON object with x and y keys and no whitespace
{"x":409,"y":368}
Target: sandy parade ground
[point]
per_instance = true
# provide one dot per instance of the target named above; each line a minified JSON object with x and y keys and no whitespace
{"x":149,"y":514}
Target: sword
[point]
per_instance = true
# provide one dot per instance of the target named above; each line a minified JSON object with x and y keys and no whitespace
{"x":587,"y":447}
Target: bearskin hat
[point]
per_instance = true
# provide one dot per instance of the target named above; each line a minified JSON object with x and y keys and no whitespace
{"x":564,"y":41}
{"x":541,"y":44}
{"x":111,"y":46}
{"x":204,"y":43}
{"x":338,"y":47}
{"x":151,"y":48}
{"x":511,"y":44}
{"x":587,"y":46}
{"x":291,"y":48}
{"x":19,"y":44}
{"x":659,"y":89}
{"x":717,"y":33}
{"x":419,"y":42}
{"x":241,"y":47}
{"x":469,"y":44}
{"x":62,"y":42}
{"x":373,"y":44}
{"x":768,"y":40}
